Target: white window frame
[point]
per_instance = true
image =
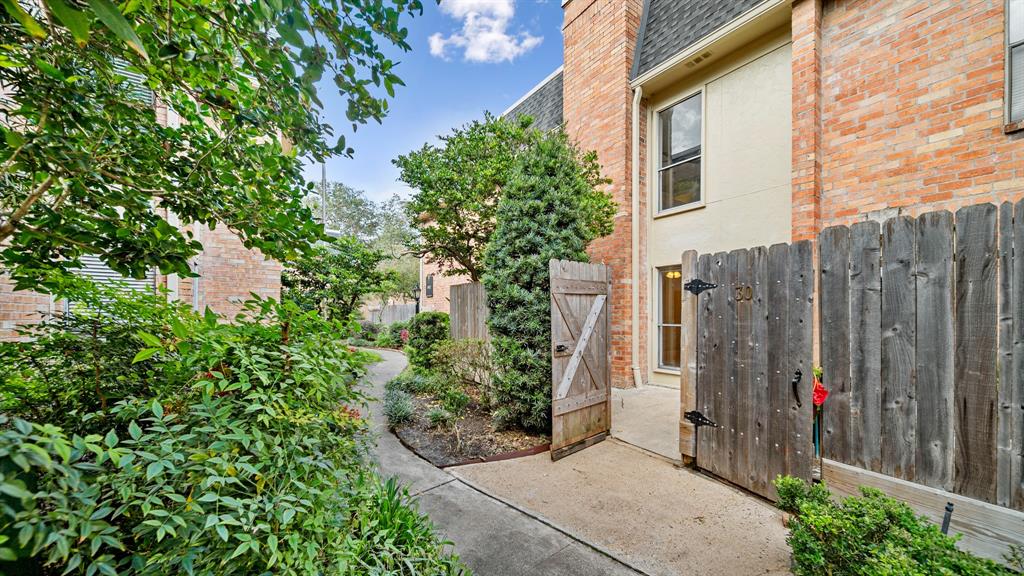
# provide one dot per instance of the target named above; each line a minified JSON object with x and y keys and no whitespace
{"x":1008,"y":69}
{"x":658,"y":168}
{"x":659,"y":321}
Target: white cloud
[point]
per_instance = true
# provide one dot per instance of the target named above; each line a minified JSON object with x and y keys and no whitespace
{"x":484,"y":36}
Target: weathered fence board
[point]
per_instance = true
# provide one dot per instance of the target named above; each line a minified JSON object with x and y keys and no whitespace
{"x":391,"y":313}
{"x":1012,"y":394}
{"x":899,"y":408}
{"x":799,"y":440}
{"x":934,"y":372}
{"x":865,"y":348}
{"x":688,"y":359}
{"x":760,"y":397}
{"x":834,"y":246}
{"x":468,"y":311}
{"x":975,"y":368}
{"x":1007,"y":378}
{"x":777,"y":356}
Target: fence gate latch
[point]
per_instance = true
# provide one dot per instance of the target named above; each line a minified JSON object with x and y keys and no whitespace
{"x":696,"y":286}
{"x":697,"y":419}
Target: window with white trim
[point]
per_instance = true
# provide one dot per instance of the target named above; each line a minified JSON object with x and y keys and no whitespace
{"x":670,"y":309}
{"x":679,"y":154}
{"x":1015,"y":58}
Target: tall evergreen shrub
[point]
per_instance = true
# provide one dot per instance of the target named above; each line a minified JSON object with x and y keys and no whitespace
{"x":551,"y":208}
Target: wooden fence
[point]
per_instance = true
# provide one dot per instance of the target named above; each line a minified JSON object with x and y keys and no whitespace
{"x":392,"y":313}
{"x":469,"y":311}
{"x":922,"y":346}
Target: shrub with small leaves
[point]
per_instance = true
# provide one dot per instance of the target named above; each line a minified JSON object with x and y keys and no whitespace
{"x":439,"y":417}
{"x":398,"y":408}
{"x":409,"y":381}
{"x":427,"y":330}
{"x":454,"y":401}
{"x":868,"y":536}
{"x":396,"y":330}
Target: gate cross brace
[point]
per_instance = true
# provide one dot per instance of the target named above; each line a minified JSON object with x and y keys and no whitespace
{"x":581,"y":345}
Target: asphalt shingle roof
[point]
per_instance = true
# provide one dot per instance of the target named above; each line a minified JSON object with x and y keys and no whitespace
{"x":670,"y":26}
{"x":544,"y":104}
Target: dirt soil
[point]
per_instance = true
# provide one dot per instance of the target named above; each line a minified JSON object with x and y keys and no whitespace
{"x":471,"y":438}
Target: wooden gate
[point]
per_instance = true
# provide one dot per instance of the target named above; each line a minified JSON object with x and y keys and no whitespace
{"x":747,"y":363}
{"x":580,"y":375}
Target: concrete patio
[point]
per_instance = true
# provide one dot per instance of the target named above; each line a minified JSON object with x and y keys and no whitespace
{"x":647,"y":417}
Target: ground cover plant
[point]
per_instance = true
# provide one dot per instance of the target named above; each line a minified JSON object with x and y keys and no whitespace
{"x":868,"y":535}
{"x":214,"y":449}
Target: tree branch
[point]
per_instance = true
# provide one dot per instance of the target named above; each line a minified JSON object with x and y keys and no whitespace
{"x":8,"y":227}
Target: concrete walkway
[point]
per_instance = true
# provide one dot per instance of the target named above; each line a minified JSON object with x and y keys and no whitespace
{"x":647,"y":417}
{"x":493,"y":538}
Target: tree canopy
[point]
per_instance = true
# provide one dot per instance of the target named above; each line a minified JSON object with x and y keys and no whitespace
{"x":335,"y":277}
{"x":458,"y":185}
{"x":89,"y":168}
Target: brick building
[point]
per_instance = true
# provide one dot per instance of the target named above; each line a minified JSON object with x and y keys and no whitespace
{"x":726,"y":124}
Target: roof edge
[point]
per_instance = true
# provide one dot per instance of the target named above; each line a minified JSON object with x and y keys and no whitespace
{"x":640,"y":40}
{"x":536,"y":87}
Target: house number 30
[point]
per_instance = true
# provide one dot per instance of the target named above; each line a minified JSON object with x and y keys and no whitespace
{"x":744,"y":293}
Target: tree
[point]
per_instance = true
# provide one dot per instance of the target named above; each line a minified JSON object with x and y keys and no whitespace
{"x":336,"y":277}
{"x":552,"y":208}
{"x":458,"y":185}
{"x":349,"y":211}
{"x":86,"y":168}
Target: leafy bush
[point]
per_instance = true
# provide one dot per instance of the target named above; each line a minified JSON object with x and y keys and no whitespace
{"x":410,"y":381}
{"x":551,"y":209}
{"x":454,"y":401}
{"x":386,"y":340}
{"x":398,"y":407}
{"x":399,"y":331}
{"x":335,"y":277}
{"x":253,"y":463}
{"x":427,"y":330}
{"x":369,"y":329}
{"x":439,"y":417}
{"x":868,"y":536}
{"x":466,"y":361}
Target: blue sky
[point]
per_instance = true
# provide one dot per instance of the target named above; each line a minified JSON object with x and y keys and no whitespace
{"x":467,"y":56}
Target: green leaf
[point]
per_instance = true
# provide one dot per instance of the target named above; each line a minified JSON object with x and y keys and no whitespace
{"x":14,"y":139}
{"x":27,"y":21}
{"x":134,"y":431}
{"x":290,"y":35}
{"x":76,"y":21}
{"x":179,"y":329}
{"x":154,"y":469}
{"x":116,"y":23}
{"x":240,"y":550}
{"x":111,"y":439}
{"x":144,"y":354}
{"x":148,"y":339}
{"x":15,"y":491}
{"x":157,"y":408}
{"x":222,"y":531}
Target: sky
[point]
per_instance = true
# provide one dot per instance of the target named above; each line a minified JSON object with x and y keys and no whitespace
{"x":467,"y":56}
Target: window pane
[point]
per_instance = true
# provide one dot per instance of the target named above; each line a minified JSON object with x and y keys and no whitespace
{"x":1017,"y":84}
{"x":680,"y":184}
{"x":670,"y":346}
{"x":680,"y":131}
{"x":671,"y":296}
{"x":1015,"y":21}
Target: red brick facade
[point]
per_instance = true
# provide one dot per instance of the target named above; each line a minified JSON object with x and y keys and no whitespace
{"x":911,"y":109}
{"x":439,"y":299}
{"x":600,"y":38}
{"x":229,"y":274}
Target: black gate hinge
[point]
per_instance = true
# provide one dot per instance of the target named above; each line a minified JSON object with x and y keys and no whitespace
{"x":698,"y":419}
{"x":696,"y":286}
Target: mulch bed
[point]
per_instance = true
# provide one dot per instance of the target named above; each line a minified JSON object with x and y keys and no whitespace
{"x":471,"y":438}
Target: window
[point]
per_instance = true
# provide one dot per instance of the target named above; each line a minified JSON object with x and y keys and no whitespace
{"x":430,"y":285}
{"x":670,"y":307}
{"x":679,"y":157}
{"x":1015,"y":43}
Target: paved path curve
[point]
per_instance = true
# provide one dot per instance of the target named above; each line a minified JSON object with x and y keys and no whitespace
{"x":493,"y":538}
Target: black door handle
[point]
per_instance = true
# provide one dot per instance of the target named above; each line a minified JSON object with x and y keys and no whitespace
{"x":796,"y":387}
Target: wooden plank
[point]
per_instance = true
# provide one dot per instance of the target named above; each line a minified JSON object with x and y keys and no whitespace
{"x":865,"y":346}
{"x":777,"y":357}
{"x":899,"y":406}
{"x":566,"y":405}
{"x":1006,"y":453}
{"x":706,"y":362}
{"x":988,"y":530}
{"x":726,"y":455}
{"x":558,"y":454}
{"x":800,"y":353}
{"x":1015,"y":389}
{"x":835,"y":340}
{"x":577,"y":286}
{"x":975,"y":356}
{"x":743,"y":407}
{"x":934,"y":356}
{"x":760,"y":435}
{"x":578,"y":355}
{"x":688,"y":357}
{"x":595,"y":363}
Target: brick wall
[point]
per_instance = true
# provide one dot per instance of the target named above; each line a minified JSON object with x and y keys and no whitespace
{"x":19,"y":308}
{"x":229,"y":273}
{"x":599,"y":40}
{"x":911,"y":109}
{"x":440,"y":300}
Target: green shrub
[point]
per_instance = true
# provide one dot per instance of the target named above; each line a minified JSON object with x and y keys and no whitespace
{"x":386,"y":340}
{"x":369,"y":329}
{"x":439,"y":417}
{"x":867,"y":536}
{"x":466,"y":361}
{"x":398,"y":407}
{"x":454,"y":401}
{"x":399,"y":332}
{"x":253,"y":463}
{"x":551,"y":209}
{"x":409,"y":381}
{"x":427,"y":330}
